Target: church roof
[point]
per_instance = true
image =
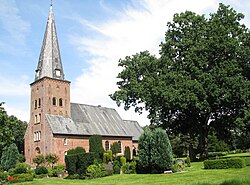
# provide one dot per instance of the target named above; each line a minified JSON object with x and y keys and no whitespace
{"x":90,"y":120}
{"x":50,"y":64}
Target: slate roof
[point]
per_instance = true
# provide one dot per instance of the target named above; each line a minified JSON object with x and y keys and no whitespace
{"x":89,"y":120}
{"x":50,"y":59}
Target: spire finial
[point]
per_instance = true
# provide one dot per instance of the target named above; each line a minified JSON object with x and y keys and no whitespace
{"x":51,"y":3}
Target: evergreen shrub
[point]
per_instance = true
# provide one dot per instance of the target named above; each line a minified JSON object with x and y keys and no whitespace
{"x":41,"y":170}
{"x":117,"y":169}
{"x":95,"y":146}
{"x":127,"y":153}
{"x":78,"y":163}
{"x":225,"y":163}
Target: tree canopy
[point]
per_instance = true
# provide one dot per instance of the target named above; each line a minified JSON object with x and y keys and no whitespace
{"x":201,"y":79}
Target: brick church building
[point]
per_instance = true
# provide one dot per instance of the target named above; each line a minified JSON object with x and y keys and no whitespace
{"x":56,"y":125}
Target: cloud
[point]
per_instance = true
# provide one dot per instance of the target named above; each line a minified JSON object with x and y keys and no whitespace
{"x":140,"y":26}
{"x":14,"y":87}
{"x":12,"y":22}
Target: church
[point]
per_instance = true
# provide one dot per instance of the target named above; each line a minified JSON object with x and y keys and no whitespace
{"x":56,"y":125}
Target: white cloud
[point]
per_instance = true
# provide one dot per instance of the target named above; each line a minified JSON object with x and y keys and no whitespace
{"x":14,"y":87}
{"x":139,"y":27}
{"x":11,"y":20}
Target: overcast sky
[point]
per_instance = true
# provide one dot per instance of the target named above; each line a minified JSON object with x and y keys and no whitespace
{"x":93,"y":36}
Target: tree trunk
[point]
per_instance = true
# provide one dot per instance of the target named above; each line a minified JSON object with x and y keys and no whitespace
{"x":192,"y":153}
{"x":204,"y":139}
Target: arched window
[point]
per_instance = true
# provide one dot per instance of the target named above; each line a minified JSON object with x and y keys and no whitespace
{"x":120,"y":146}
{"x":60,"y":102}
{"x":65,"y":141}
{"x":106,"y":145}
{"x":39,"y":102}
{"x":38,"y":151}
{"x":54,"y":101}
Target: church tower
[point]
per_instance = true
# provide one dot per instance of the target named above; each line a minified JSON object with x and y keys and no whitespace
{"x":50,"y":94}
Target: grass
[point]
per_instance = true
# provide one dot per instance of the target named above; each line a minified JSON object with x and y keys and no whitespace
{"x":195,"y":175}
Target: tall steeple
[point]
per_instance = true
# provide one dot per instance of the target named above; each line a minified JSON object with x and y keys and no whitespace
{"x":50,"y":64}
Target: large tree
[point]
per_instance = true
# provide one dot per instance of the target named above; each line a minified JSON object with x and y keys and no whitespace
{"x":200,"y":81}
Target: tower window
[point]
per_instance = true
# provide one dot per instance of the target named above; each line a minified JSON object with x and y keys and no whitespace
{"x":39,"y":102}
{"x":54,"y":101}
{"x":60,"y":102}
{"x":58,"y":72}
{"x":35,"y":104}
{"x":106,"y":145}
{"x":35,"y":118}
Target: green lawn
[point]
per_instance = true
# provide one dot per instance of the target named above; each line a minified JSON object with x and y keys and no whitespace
{"x":195,"y":174}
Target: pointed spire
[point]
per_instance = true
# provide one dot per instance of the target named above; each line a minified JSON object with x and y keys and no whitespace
{"x":49,"y":64}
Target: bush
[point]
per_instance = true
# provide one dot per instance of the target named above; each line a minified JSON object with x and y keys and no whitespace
{"x":123,"y":161}
{"x":247,"y":159}
{"x":23,"y":177}
{"x":39,"y":160}
{"x":78,"y":163}
{"x":95,"y":171}
{"x":51,"y":159}
{"x":117,"y":169}
{"x":188,"y":161}
{"x":75,"y":176}
{"x":41,"y":170}
{"x":127,"y":153}
{"x":19,"y":169}
{"x":3,"y":176}
{"x":177,"y":167}
{"x":224,"y":163}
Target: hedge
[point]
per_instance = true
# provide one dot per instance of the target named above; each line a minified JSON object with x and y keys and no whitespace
{"x":225,"y":163}
{"x":78,"y":163}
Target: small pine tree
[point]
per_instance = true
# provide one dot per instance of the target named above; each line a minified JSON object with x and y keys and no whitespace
{"x":9,"y":157}
{"x":155,"y":151}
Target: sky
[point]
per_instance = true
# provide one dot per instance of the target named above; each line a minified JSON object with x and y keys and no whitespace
{"x":93,"y":35}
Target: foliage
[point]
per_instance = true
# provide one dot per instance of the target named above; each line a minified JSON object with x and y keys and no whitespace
{"x":115,"y":148}
{"x":96,"y":171}
{"x":117,"y":169}
{"x":51,"y":159}
{"x":95,"y":146}
{"x":20,"y":168}
{"x":107,"y":156}
{"x":127,"y":153}
{"x":129,"y":168}
{"x":3,"y":176}
{"x":18,"y":128}
{"x":215,"y":145}
{"x":41,"y":170}
{"x":225,"y":163}
{"x":177,"y":167}
{"x":9,"y":157}
{"x":155,"y":152}
{"x":78,"y":163}
{"x":74,"y":176}
{"x":123,"y":160}
{"x":191,"y":88}
{"x":22,"y":177}
{"x":39,"y":159}
{"x":54,"y":171}
{"x":188,"y":162}
{"x":77,"y":150}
